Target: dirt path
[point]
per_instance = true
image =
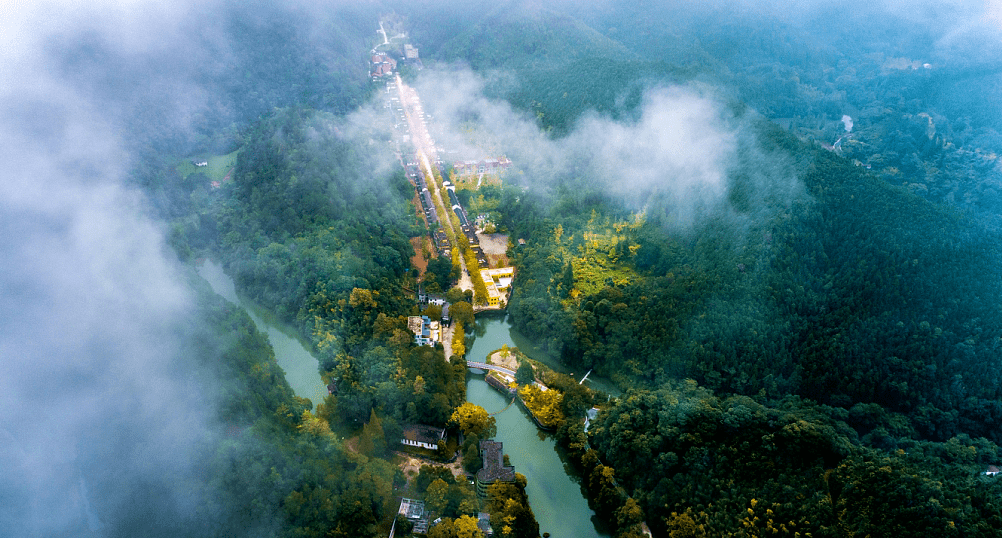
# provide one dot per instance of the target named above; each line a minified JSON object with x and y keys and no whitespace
{"x":464,"y":278}
{"x":447,"y":333}
{"x":418,"y":260}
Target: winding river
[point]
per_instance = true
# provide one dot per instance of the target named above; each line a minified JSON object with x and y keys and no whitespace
{"x":301,"y":368}
{"x":555,"y":496}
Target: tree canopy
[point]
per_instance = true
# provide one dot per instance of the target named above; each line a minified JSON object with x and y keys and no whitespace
{"x":471,"y":419}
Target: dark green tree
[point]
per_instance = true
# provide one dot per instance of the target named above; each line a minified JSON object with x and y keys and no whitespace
{"x":525,"y":375}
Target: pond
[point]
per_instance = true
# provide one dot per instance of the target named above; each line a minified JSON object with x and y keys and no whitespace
{"x":301,"y":367}
{"x":555,"y":496}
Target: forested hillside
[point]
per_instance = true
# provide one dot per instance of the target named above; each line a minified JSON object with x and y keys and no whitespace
{"x":850,"y":327}
{"x":806,"y":333}
{"x":924,"y":106}
{"x":275,"y":467}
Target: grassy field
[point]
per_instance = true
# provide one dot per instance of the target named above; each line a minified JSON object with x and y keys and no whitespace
{"x":596,"y":260}
{"x":591,"y":273}
{"x":474,"y":181}
{"x":216,"y":170}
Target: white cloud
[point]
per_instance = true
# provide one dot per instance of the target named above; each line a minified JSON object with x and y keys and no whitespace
{"x":679,"y":149}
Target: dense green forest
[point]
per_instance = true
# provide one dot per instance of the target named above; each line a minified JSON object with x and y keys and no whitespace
{"x":819,"y":359}
{"x":857,"y":317}
{"x":860,"y":316}
{"x":273,"y":468}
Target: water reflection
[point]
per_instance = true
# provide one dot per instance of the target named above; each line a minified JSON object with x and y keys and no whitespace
{"x":495,"y":329}
{"x":300,"y":366}
{"x":553,"y":489}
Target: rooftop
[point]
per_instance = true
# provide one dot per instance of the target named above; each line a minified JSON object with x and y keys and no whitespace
{"x":494,"y":468}
{"x":423,"y":433}
{"x":411,"y":509}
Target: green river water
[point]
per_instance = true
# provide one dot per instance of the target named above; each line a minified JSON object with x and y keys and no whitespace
{"x":554,"y":494}
{"x":301,"y":367}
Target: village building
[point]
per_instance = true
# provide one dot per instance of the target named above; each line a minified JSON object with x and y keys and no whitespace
{"x":502,"y":382}
{"x":590,"y":415}
{"x":430,"y":298}
{"x":421,"y":436}
{"x":484,"y":523}
{"x":426,"y":332}
{"x":442,"y":243}
{"x":494,"y":469}
{"x":382,"y":65}
{"x":485,"y":166}
{"x":497,"y":281}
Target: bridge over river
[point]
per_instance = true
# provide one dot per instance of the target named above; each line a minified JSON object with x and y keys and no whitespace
{"x":500,"y":370}
{"x":485,"y":366}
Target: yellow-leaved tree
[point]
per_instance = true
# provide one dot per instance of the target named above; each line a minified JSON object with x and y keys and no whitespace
{"x":466,"y":527}
{"x":544,"y":404}
{"x":473,"y":419}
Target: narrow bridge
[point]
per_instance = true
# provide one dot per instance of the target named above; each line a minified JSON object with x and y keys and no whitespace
{"x":485,"y":366}
{"x":500,"y":369}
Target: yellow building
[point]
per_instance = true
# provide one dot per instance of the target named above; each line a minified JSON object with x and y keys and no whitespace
{"x":497,"y":281}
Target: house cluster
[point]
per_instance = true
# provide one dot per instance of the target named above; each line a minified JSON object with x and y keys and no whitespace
{"x":468,"y":230}
{"x":495,"y":469}
{"x":485,"y":166}
{"x":426,"y":332}
{"x":497,"y":281}
{"x":381,"y":64}
{"x":425,"y":298}
{"x":416,"y":513}
{"x":442,"y":244}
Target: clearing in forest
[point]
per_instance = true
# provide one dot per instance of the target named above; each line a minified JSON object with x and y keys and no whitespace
{"x":421,"y":245}
{"x":216,"y":168}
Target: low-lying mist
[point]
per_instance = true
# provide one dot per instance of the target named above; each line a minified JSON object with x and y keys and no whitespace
{"x":107,"y":417}
{"x":678,"y":153}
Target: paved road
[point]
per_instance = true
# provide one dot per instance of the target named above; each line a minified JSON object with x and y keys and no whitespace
{"x":427,"y":154}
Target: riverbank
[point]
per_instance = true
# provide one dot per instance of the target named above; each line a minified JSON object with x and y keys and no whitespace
{"x":535,"y":419}
{"x":300,"y":367}
{"x":554,"y":491}
{"x":555,"y":495}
